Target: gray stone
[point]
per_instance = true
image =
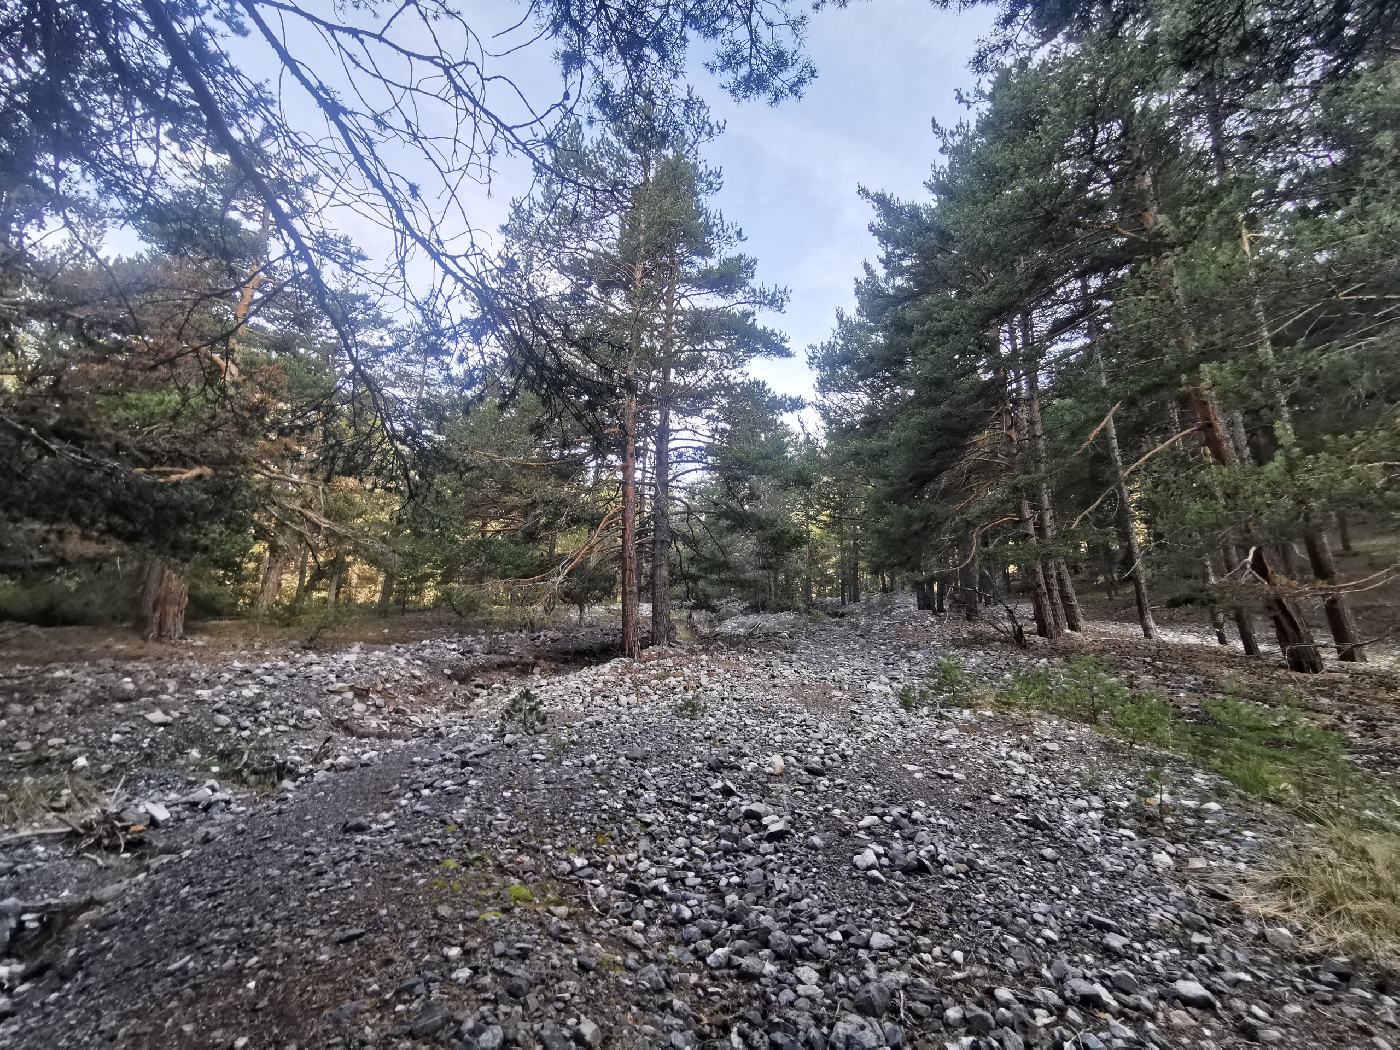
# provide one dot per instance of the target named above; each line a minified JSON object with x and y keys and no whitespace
{"x":651,"y":979}
{"x":1095,"y":996}
{"x":873,"y":999}
{"x":159,"y":814}
{"x":1192,"y":993}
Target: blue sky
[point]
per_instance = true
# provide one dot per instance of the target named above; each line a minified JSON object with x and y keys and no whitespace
{"x":791,"y":172}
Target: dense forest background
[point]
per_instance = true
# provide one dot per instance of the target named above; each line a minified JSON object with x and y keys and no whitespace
{"x":258,"y":360}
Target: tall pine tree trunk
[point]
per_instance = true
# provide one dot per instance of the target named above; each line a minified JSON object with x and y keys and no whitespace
{"x":843,"y":578}
{"x":302,"y":566}
{"x":164,"y":598}
{"x":336,"y":579}
{"x":661,"y":520}
{"x":1060,"y":580}
{"x":631,"y":629}
{"x":1013,"y":434}
{"x":1340,"y":621}
{"x":278,"y":561}
{"x":1127,"y":523}
{"x":661,"y":628}
{"x":1217,"y":618}
{"x":1244,"y":622}
{"x":1294,"y":636}
{"x":1047,"y":592}
{"x":855,"y":568}
{"x":1334,"y":605}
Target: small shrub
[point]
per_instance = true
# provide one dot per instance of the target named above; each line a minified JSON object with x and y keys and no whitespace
{"x":313,"y":620}
{"x":948,"y":675}
{"x":519,"y":894}
{"x":523,"y":711}
{"x":692,"y":705}
{"x":947,"y":684}
{"x":1267,"y":752}
{"x":1145,"y":720}
{"x":1082,"y":691}
{"x":1272,"y":753}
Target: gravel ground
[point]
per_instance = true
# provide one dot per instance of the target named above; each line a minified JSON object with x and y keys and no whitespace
{"x":747,"y":843}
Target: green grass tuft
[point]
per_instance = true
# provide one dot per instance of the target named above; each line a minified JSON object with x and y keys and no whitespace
{"x":1341,"y":885}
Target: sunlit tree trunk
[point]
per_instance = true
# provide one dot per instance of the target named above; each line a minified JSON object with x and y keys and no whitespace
{"x":278,"y":561}
{"x":631,"y":630}
{"x":337,"y":577}
{"x":164,"y":599}
{"x":661,"y":629}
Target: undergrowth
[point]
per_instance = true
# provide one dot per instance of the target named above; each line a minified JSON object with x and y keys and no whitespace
{"x":1275,"y":753}
{"x":946,"y":684}
{"x":1342,"y":883}
{"x":1345,"y":884}
{"x":524,"y":712}
{"x":37,"y":800}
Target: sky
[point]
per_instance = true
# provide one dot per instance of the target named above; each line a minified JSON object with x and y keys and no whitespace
{"x":885,"y":68}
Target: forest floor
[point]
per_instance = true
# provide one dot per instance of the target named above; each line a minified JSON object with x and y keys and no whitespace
{"x":772,"y":838}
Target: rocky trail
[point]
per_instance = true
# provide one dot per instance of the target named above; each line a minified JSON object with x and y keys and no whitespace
{"x":494,"y":842}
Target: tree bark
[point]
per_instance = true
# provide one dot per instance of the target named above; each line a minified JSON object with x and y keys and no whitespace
{"x":966,"y":594}
{"x":1013,"y":429}
{"x":301,"y":572}
{"x":842,"y":576}
{"x":807,"y":579}
{"x":1294,"y":636}
{"x":855,"y":569}
{"x":1127,"y":523}
{"x":1338,"y":613}
{"x":1060,"y":582}
{"x":661,"y":630}
{"x":164,"y":599}
{"x":1046,"y":590}
{"x":1217,"y":618}
{"x":336,"y":578}
{"x":631,"y":629}
{"x":278,"y":559}
{"x":1244,"y":622}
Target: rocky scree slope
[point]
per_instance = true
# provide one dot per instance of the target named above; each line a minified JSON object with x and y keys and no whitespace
{"x":746,"y":845}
